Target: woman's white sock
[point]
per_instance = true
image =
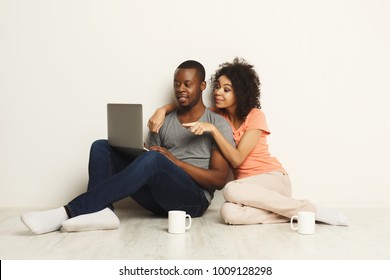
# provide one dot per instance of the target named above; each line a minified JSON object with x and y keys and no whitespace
{"x":104,"y":219}
{"x":45,"y":221}
{"x":331,"y":216}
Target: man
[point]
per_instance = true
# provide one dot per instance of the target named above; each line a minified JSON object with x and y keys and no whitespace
{"x":180,"y":172}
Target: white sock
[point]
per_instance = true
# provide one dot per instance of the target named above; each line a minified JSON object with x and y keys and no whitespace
{"x":45,"y":221}
{"x":331,"y":216}
{"x":104,"y":219}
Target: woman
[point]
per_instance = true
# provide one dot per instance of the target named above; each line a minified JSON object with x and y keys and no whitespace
{"x":261,"y":191}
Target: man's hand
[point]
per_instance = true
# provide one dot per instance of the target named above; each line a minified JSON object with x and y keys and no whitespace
{"x":164,"y":152}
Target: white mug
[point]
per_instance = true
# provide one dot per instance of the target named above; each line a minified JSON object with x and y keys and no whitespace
{"x":306,"y":222}
{"x":177,"y":221}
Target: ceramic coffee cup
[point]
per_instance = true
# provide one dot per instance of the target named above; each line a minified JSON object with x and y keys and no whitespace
{"x":306,"y":222}
{"x":177,"y":221}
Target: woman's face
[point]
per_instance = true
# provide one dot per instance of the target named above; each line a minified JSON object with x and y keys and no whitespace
{"x":223,"y":92}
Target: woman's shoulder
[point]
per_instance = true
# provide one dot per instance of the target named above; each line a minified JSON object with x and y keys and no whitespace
{"x":255,"y":113}
{"x":256,"y":120}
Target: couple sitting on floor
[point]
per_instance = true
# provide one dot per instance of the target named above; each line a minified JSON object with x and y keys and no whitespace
{"x":192,"y":149}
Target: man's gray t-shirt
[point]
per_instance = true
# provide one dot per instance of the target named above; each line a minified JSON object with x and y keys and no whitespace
{"x":184,"y":145}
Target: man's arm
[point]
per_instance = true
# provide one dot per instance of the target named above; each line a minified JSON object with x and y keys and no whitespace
{"x":211,"y":179}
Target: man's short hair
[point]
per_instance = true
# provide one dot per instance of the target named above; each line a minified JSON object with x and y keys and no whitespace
{"x":192,"y":64}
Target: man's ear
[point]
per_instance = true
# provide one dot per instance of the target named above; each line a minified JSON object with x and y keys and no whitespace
{"x":203,"y":85}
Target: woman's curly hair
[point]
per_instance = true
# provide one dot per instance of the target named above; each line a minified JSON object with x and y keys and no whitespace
{"x":245,"y":82}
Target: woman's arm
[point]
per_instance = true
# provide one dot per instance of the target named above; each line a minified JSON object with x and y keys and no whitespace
{"x":235,"y":156}
{"x":157,"y":119}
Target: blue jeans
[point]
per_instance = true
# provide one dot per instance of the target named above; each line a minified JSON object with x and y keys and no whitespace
{"x":151,"y":179}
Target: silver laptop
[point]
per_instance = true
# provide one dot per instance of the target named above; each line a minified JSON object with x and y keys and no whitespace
{"x":125,"y":128}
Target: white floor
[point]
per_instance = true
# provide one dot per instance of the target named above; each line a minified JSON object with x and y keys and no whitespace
{"x":142,"y":236}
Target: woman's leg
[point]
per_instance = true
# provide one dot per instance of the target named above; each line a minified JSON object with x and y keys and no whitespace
{"x":238,"y":214}
{"x":272,"y":192}
{"x":263,"y":198}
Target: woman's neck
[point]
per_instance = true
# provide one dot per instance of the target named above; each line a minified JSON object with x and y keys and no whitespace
{"x":234,"y":120}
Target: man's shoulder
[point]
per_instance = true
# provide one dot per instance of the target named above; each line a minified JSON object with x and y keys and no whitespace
{"x":171,"y":116}
{"x":222,"y":124}
{"x":173,"y":113}
{"x":215,"y":117}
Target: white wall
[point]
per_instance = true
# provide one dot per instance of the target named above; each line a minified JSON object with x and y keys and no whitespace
{"x":324,"y":67}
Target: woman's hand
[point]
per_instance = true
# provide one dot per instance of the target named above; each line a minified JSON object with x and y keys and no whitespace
{"x":198,"y":128}
{"x":156,"y":121}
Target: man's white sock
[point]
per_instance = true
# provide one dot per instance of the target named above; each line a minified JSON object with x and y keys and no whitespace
{"x":104,"y":219}
{"x":331,"y":216}
{"x":45,"y":221}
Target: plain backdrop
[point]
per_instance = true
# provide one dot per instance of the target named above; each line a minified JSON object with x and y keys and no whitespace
{"x":324,"y":68}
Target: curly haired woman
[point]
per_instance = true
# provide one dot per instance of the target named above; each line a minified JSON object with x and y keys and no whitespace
{"x":261,"y":191}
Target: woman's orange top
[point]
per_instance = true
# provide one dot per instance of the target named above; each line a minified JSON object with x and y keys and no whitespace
{"x":259,"y":161}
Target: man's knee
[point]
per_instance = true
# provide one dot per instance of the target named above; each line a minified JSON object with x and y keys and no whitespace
{"x":100,"y":144}
{"x":154,"y":160}
{"x":153,"y":156}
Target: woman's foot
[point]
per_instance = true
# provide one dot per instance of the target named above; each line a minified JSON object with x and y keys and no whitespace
{"x":330,"y":216}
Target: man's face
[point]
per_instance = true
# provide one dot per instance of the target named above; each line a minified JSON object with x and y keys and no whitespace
{"x":188,"y":87}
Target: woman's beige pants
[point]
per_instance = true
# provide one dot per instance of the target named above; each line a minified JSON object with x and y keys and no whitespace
{"x":264,"y":198}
